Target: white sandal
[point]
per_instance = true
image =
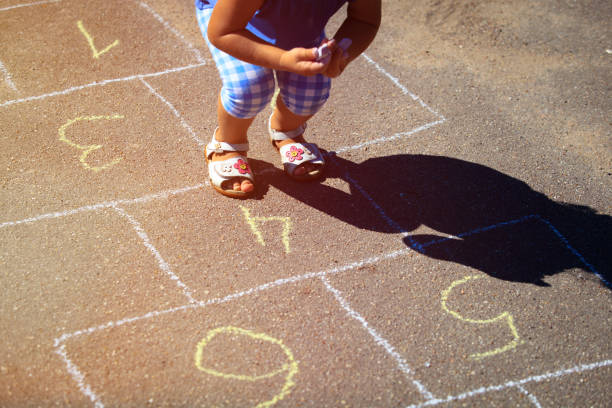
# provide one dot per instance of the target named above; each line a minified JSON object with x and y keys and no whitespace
{"x":234,"y":167}
{"x":295,"y":154}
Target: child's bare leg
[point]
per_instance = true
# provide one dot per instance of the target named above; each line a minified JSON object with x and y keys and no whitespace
{"x":284,"y":120}
{"x":232,"y":130}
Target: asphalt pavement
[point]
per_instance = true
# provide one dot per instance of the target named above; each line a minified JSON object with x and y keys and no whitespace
{"x":457,"y":252}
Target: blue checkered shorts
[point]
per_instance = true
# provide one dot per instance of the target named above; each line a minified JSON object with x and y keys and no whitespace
{"x":248,"y":89}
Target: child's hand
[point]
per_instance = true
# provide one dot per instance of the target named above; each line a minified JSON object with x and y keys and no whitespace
{"x":339,"y":60}
{"x":302,"y":61}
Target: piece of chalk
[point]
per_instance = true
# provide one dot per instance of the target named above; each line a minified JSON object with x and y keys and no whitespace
{"x":323,"y":54}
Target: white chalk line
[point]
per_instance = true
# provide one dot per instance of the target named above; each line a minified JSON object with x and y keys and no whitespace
{"x":266,"y":286}
{"x":402,"y":87}
{"x":399,"y":135}
{"x":514,"y":384}
{"x":388,"y":220}
{"x":479,"y":230}
{"x":531,"y":397}
{"x":100,"y":83}
{"x":173,"y":31}
{"x":163,"y":265}
{"x":176,"y":113}
{"x":555,"y":231}
{"x":402,"y":364}
{"x":101,"y":206}
{"x":61,"y":351}
{"x":389,"y":138}
{"x":7,"y":77}
{"x":79,"y":378}
{"x":279,"y":282}
{"x":38,"y":3}
{"x":575,"y":252}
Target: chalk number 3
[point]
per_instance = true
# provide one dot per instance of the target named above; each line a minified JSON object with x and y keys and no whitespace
{"x":87,"y":149}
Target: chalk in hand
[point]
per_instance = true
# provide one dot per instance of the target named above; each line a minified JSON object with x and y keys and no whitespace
{"x":323,"y":53}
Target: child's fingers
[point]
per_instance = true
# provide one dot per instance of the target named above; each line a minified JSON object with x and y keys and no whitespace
{"x":302,"y":61}
{"x":337,"y":64}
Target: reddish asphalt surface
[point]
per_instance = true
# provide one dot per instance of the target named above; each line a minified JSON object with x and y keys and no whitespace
{"x":456,"y":254}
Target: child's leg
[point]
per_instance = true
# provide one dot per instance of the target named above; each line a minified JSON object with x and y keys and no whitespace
{"x":299,"y":99}
{"x":247,"y":89}
{"x":232,"y":130}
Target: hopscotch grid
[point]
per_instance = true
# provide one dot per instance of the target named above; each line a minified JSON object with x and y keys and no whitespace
{"x":142,"y":77}
{"x":378,"y":339}
{"x":532,"y":398}
{"x":37,"y":3}
{"x":163,"y":265}
{"x":86,"y":389}
{"x":100,"y":83}
{"x":72,"y":368}
{"x":173,"y":30}
{"x":79,"y":378}
{"x":60,"y":347}
{"x":282,"y":281}
{"x":104,"y":205}
{"x":176,"y":113}
{"x":8,"y":80}
{"x":514,"y":384}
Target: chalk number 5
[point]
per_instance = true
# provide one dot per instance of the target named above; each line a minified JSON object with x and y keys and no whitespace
{"x":504,"y":317}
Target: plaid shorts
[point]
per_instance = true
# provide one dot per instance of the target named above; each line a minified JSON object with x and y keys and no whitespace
{"x":248,"y":89}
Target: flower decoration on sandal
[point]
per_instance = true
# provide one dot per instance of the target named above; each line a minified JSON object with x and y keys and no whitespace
{"x":242,"y":166}
{"x":294,"y":154}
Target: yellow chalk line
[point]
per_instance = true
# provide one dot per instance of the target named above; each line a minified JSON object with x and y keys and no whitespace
{"x":90,"y":41}
{"x":252,"y":221}
{"x":291,"y":367}
{"x":504,"y":316}
{"x":88,"y":148}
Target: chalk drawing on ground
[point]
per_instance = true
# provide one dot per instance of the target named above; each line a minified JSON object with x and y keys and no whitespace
{"x":36,"y":3}
{"x":253,"y":222}
{"x":290,"y":366}
{"x":402,"y":364}
{"x":8,"y":79}
{"x":86,"y":150}
{"x":505,"y":317}
{"x":59,"y":342}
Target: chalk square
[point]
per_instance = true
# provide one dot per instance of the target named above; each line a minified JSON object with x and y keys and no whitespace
{"x":219,"y":246}
{"x":98,"y":48}
{"x":433,"y":197}
{"x":508,"y":397}
{"x":61,"y":275}
{"x":96,"y":145}
{"x":453,"y":351}
{"x":583,"y":389}
{"x":332,"y":360}
{"x":354,"y":115}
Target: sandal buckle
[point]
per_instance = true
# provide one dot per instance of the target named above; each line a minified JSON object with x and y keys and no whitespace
{"x":218,"y":148}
